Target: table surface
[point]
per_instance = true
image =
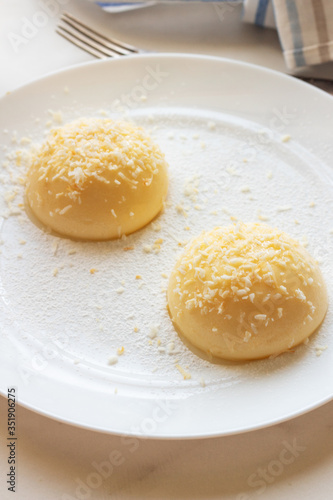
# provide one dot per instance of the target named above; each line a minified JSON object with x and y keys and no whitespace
{"x":293,"y":460}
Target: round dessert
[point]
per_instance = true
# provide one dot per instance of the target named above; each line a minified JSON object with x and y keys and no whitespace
{"x":246,"y":291}
{"x":97,"y":179}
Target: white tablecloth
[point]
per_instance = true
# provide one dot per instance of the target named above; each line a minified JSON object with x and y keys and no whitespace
{"x":293,"y":460}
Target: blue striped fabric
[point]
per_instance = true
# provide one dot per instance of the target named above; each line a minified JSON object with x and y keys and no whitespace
{"x":296,"y":32}
{"x":123,"y":6}
{"x":261,"y":12}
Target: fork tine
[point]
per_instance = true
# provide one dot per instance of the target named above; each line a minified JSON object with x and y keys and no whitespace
{"x":111,"y":43}
{"x":88,"y":41}
{"x":80,"y":44}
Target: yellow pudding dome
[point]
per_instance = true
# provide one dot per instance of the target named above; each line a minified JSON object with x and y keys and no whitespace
{"x":246,"y":291}
{"x":97,"y":179}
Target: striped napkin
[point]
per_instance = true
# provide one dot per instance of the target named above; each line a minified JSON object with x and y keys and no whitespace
{"x":305,"y":27}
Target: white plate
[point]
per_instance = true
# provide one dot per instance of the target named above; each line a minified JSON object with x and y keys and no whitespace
{"x":225,"y":128}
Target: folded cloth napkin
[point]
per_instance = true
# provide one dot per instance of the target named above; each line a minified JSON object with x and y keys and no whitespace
{"x":305,"y":27}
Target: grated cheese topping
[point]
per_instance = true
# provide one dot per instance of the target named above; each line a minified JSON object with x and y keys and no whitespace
{"x":87,"y":148}
{"x":186,"y":375}
{"x":227,"y":263}
{"x":113,"y":360}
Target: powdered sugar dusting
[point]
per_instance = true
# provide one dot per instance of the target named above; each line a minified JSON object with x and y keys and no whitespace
{"x":92,"y":315}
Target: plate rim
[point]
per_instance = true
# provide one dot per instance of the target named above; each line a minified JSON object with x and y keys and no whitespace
{"x":163,"y":55}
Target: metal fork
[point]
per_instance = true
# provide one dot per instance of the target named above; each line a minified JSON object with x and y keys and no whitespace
{"x":90,"y":40}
